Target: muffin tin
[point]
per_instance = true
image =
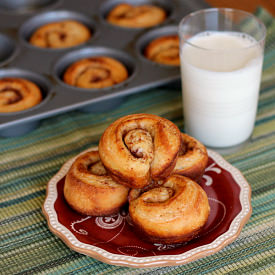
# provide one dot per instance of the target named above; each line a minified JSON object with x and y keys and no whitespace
{"x":46,"y":66}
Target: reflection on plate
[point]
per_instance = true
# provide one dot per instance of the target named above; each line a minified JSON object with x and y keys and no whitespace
{"x":112,"y":239}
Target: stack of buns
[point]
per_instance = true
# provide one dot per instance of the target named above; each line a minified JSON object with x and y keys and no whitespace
{"x":143,"y":160}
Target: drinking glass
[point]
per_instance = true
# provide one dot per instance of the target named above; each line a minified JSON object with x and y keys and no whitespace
{"x":221,"y":52}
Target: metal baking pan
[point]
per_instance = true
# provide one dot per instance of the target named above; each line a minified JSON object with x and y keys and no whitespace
{"x":18,"y":58}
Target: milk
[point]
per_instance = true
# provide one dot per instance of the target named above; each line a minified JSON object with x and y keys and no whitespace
{"x":220,"y":86}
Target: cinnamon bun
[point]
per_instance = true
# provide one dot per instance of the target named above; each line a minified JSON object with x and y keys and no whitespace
{"x":95,"y":72}
{"x":192,"y":159}
{"x":140,"y":147}
{"x":164,"y":50}
{"x":18,"y":94}
{"x":131,"y":16}
{"x":89,"y":190}
{"x":172,"y":213}
{"x":62,"y":34}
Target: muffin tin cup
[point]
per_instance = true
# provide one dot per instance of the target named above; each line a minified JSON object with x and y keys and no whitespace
{"x":70,"y":58}
{"x":120,"y":43}
{"x":45,"y":87}
{"x":26,"y":6}
{"x":31,"y":25}
{"x":8,"y":49}
{"x":87,"y":52}
{"x":14,"y":131}
{"x":110,"y":4}
{"x":145,"y":39}
{"x":106,"y":105}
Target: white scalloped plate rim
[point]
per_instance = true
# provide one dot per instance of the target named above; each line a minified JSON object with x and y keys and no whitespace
{"x":152,"y":261}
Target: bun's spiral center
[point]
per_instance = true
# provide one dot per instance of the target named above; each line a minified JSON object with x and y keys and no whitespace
{"x":55,"y":36}
{"x":91,"y":164}
{"x":170,"y":51}
{"x":133,"y":12}
{"x":159,"y":194}
{"x":188,"y":147}
{"x":10,"y":95}
{"x":140,"y":144}
{"x":97,"y":169}
{"x":95,"y":72}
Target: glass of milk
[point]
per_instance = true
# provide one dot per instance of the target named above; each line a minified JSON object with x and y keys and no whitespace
{"x":221,"y":53}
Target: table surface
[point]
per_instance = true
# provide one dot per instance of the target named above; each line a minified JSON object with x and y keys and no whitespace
{"x":28,"y":162}
{"x":248,"y":5}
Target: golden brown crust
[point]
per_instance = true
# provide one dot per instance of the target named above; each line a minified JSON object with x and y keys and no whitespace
{"x":89,"y":190}
{"x":95,"y":72}
{"x":164,"y":50}
{"x":192,"y":159}
{"x":140,"y":147}
{"x":18,"y":94}
{"x":62,"y":34}
{"x":131,"y":16}
{"x":172,"y":213}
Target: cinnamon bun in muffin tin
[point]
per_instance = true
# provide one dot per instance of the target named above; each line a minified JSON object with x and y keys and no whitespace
{"x":164,"y":50}
{"x":138,"y":154}
{"x":37,"y":40}
{"x":136,"y":16}
{"x":95,"y":72}
{"x":61,"y":34}
{"x":18,"y":94}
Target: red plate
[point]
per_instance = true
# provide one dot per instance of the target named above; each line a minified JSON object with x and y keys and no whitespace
{"x":113,"y":240}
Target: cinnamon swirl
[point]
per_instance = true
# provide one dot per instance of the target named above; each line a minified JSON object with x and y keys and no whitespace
{"x":164,"y":50}
{"x":142,"y":16}
{"x":95,"y":72}
{"x":89,"y":190}
{"x":192,"y":159}
{"x":140,"y":147}
{"x":18,"y":94}
{"x":172,"y":213}
{"x":62,"y":34}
